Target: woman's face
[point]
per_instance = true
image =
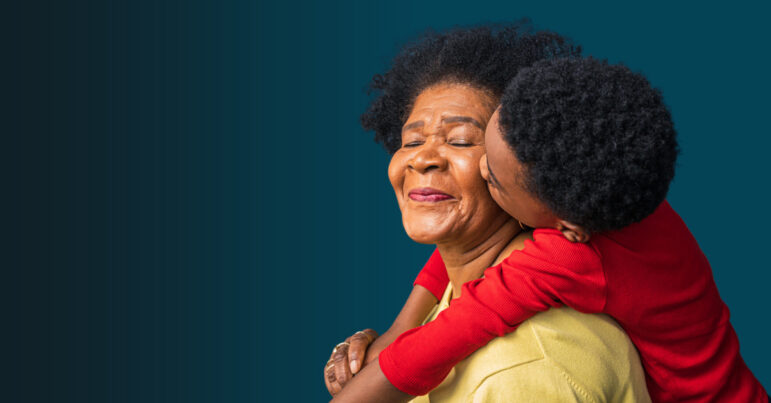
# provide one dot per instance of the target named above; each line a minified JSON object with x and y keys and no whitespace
{"x":435,"y":173}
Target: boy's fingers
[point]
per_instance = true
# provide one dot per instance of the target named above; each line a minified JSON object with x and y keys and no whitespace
{"x":360,"y":341}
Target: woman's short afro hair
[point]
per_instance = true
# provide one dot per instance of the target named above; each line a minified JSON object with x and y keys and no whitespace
{"x":597,"y":142}
{"x":486,"y":57}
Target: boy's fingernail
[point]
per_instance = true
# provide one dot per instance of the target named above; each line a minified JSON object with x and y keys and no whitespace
{"x":355,"y":366}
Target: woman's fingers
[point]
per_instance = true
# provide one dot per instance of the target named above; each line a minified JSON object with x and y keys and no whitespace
{"x":330,"y":376}
{"x":360,"y":341}
{"x":340,"y":359}
{"x":330,"y":379}
{"x":346,"y":359}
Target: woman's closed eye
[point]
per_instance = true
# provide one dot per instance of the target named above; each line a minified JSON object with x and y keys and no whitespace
{"x":460,"y":143}
{"x":465,"y":135}
{"x":463,"y":141}
{"x":454,"y":143}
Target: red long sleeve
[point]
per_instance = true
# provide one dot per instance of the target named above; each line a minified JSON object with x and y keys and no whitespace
{"x":547,"y":272}
{"x":433,"y":276}
{"x":651,"y":277}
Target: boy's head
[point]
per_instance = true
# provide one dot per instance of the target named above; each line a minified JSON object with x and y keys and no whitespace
{"x":581,"y":146}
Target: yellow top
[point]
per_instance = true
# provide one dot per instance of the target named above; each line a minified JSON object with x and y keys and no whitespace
{"x":560,"y":355}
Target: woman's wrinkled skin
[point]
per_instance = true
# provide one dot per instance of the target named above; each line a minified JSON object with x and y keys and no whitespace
{"x":443,"y":142}
{"x":338,"y":369}
{"x":365,"y":346}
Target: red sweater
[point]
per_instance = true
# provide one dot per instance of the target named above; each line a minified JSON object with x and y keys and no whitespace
{"x":650,"y":276}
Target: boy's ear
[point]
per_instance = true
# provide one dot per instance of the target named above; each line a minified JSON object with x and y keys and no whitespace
{"x":573,"y":232}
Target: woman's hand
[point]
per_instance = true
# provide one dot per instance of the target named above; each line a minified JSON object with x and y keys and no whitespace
{"x":347,"y":359}
{"x":350,"y":356}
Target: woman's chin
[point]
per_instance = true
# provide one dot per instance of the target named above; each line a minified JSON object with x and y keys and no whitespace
{"x":427,"y":232}
{"x":427,"y":239}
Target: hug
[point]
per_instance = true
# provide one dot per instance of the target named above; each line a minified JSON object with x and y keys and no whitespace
{"x":561,"y":273}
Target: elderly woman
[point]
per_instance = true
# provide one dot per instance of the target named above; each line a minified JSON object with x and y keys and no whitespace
{"x":433,"y":107}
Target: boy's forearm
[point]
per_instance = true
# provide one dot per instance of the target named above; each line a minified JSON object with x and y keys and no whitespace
{"x":420,"y":359}
{"x":416,"y":308}
{"x":413,"y":313}
{"x":370,"y":385}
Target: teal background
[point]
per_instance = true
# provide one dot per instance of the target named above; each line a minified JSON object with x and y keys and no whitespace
{"x":196,"y":215}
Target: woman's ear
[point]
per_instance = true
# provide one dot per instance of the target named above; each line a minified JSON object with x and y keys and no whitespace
{"x":573,"y":232}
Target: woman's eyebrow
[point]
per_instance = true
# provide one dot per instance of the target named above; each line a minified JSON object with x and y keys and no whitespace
{"x":413,"y":125}
{"x":448,"y":119}
{"x":462,"y":119}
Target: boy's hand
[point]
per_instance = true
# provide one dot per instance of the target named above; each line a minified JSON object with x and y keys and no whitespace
{"x":347,"y":359}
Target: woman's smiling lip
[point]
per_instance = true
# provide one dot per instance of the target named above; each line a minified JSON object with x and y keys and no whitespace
{"x":428,"y":195}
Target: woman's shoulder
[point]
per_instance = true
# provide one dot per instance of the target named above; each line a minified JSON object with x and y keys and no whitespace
{"x":560,"y":354}
{"x":584,"y":357}
{"x":593,"y":348}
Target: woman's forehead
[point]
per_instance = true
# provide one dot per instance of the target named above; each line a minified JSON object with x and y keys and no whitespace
{"x":448,"y":100}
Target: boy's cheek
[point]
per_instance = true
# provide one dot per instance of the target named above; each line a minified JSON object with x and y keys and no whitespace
{"x":499,"y":200}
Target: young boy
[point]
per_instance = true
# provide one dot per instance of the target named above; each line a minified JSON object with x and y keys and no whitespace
{"x":584,"y":152}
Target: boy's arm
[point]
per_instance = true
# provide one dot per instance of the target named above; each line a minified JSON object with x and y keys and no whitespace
{"x":365,"y":346}
{"x":434,"y":275}
{"x":370,"y":386}
{"x":426,"y":292}
{"x":347,"y":360}
{"x":418,"y":305}
{"x":548,"y":272}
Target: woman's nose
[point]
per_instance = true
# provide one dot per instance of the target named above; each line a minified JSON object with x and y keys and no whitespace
{"x":428,"y":157}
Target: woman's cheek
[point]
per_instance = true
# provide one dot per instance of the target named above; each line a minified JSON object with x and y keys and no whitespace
{"x":469,"y":175}
{"x":396,"y":172}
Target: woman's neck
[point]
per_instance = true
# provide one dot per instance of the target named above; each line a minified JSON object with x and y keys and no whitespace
{"x":468,"y":260}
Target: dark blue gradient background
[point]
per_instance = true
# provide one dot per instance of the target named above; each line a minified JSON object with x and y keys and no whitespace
{"x":196,"y":216}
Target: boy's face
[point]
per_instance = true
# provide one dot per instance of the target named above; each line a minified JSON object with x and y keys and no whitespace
{"x":504,"y":175}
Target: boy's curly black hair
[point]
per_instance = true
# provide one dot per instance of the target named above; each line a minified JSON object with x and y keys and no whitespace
{"x":597,"y":142}
{"x":486,"y":57}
